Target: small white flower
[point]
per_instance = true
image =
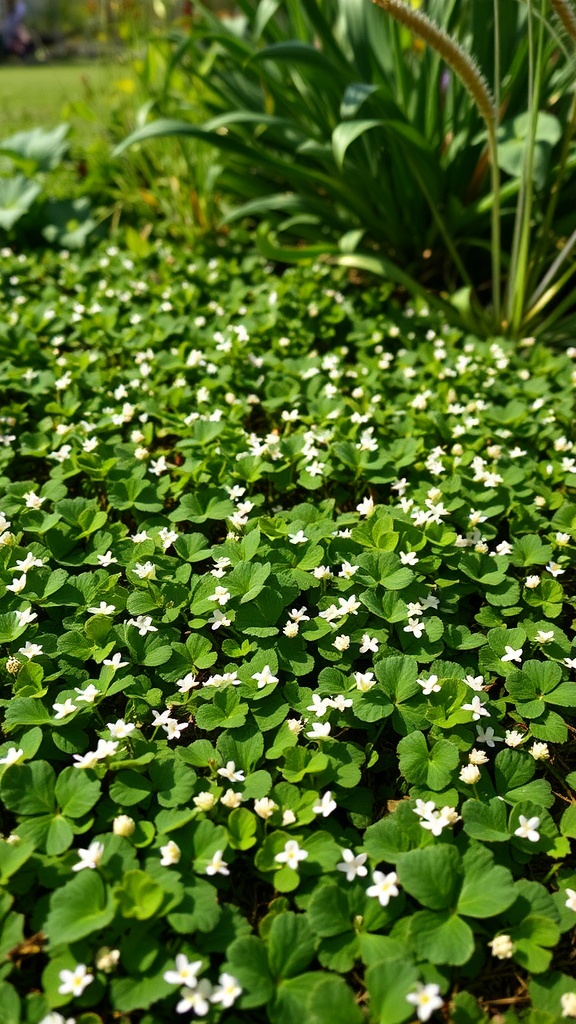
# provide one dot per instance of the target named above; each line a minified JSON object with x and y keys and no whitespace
{"x":265,"y":677}
{"x":171,"y":853}
{"x":571,"y":901}
{"x":470,"y":774}
{"x":528,"y":828}
{"x":369,"y":643}
{"x":319,"y":731}
{"x":366,"y":507}
{"x":217,"y":865}
{"x":13,"y":756}
{"x":145,"y":571}
{"x":430,"y":685}
{"x":477,"y":708}
{"x":230,"y":772}
{"x":544,"y":636}
{"x":17,"y":585}
{"x":88,"y":694}
{"x":174,"y":729}
{"x":196,"y":999}
{"x":143,"y":624}
{"x":474,"y":682}
{"x":415,"y":627}
{"x":291,"y":855}
{"x":115,"y":661}
{"x":107,"y":959}
{"x":25,"y":617}
{"x":74,"y":982}
{"x":187,"y":683}
{"x":408,"y":557}
{"x":326,"y":805}
{"x":291,"y":629}
{"x":554,"y":569}
{"x":106,"y":559}
{"x":185,"y":973}
{"x":298,"y":538}
{"x":221,"y":595}
{"x":102,"y":609}
{"x":89,"y":858}
{"x":218,"y":619}
{"x":322,"y":572}
{"x":531,"y":582}
{"x":295,"y":725}
{"x":487,"y":736}
{"x":227,"y":991}
{"x":25,"y":564}
{"x":512,"y":654}
{"x":62,"y":710}
{"x":353,"y":865}
{"x":513,"y":738}
{"x":347,"y":571}
{"x":30,"y":650}
{"x":364,"y":681}
{"x":120,"y":729}
{"x":384,"y":887}
{"x":426,"y":999}
{"x":32,"y":500}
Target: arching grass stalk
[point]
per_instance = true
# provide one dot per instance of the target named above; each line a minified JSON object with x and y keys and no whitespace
{"x":518,"y":278}
{"x":465,"y":67}
{"x":542,"y":293}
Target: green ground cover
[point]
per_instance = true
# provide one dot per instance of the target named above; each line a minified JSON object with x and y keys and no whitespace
{"x":287,"y":678}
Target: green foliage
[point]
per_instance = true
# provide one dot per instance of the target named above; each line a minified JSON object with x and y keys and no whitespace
{"x":341,"y":130}
{"x":26,"y":208}
{"x":286,"y":649}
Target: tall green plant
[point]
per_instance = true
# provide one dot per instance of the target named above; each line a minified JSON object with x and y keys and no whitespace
{"x":419,"y":162}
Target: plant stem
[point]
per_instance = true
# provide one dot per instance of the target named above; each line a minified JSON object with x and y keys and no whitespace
{"x":517,"y":283}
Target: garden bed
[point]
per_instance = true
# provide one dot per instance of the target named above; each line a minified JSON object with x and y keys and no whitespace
{"x":287,"y":651}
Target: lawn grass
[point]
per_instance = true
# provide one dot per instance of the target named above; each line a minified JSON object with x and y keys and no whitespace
{"x":41,"y":94}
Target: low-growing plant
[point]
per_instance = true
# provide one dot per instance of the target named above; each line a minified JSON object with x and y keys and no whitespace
{"x":412,"y":161}
{"x":287,"y":658}
{"x":28,"y":210}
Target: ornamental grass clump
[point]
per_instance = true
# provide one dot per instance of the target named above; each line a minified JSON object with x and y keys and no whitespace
{"x":411,"y":142}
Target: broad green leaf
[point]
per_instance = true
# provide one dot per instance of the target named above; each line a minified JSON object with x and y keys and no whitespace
{"x":442,"y":937}
{"x":16,"y":198}
{"x":388,"y":984}
{"x":248,"y":962}
{"x":139,"y":896}
{"x":487,"y":888}
{"x":432,"y":875}
{"x":290,"y":945}
{"x":81,"y":907}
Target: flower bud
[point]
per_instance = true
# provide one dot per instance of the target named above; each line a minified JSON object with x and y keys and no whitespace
{"x":106,"y":958}
{"x":123,"y":825}
{"x":204,"y":801}
{"x":502,"y":947}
